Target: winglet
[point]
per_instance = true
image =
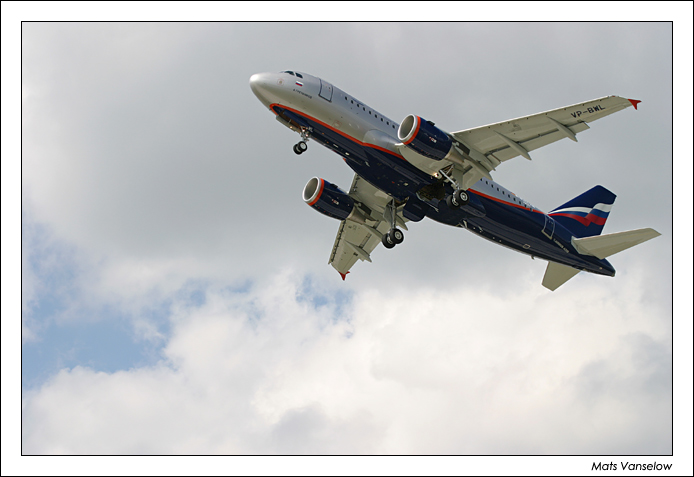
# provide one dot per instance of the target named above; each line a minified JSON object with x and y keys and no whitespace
{"x":634,"y":102}
{"x":343,"y":275}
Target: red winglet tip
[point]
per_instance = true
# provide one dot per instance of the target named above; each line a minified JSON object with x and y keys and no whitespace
{"x":634,"y":102}
{"x":343,"y":275}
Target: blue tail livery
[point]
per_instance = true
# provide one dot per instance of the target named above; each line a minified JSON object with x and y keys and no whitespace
{"x":585,"y":215}
{"x":412,"y":170}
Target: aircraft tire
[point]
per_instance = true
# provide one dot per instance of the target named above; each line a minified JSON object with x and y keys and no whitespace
{"x":301,"y":147}
{"x":461,"y":197}
{"x":452,"y":204}
{"x":396,"y":236}
{"x":296,"y":150}
{"x":387,"y":242}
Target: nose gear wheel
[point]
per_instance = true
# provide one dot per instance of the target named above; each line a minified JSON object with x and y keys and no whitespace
{"x":300,"y":147}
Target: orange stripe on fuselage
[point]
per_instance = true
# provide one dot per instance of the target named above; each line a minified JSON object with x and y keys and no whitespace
{"x":495,"y":199}
{"x":373,"y":146}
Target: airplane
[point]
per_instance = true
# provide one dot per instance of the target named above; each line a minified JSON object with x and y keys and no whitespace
{"x":407,"y":171}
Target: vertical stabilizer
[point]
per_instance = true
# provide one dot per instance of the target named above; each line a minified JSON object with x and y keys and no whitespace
{"x":585,"y":216}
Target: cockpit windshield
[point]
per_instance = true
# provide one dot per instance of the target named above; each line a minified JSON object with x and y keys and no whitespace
{"x":292,"y":73}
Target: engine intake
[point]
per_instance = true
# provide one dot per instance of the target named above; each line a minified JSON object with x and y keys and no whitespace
{"x":425,"y":138}
{"x":329,"y":200}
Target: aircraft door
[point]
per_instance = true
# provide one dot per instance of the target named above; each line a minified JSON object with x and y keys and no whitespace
{"x":548,"y":230}
{"x":326,"y":90}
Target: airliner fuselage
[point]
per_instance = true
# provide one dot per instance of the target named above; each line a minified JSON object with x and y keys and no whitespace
{"x":420,"y":172}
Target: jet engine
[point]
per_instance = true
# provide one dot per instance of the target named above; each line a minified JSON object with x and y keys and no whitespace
{"x":329,"y":200}
{"x":426,"y":139}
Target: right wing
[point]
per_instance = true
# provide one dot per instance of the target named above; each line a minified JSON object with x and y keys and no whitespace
{"x":356,"y":241}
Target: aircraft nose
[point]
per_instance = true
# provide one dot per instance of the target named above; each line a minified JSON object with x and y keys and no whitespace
{"x":259,"y":84}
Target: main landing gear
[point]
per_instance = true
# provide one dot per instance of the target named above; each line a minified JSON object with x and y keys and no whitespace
{"x":394,"y":236}
{"x":301,"y":147}
{"x":459,"y":197}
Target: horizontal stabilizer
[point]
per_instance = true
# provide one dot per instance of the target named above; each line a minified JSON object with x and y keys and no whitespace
{"x":602,"y":246}
{"x":557,"y":274}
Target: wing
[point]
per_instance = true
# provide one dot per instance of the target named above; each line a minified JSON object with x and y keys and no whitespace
{"x":356,"y":241}
{"x":492,"y":144}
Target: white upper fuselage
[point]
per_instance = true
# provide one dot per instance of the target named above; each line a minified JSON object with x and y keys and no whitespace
{"x":345,"y":113}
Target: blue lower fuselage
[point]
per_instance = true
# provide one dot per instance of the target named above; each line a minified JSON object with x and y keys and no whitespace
{"x":493,"y":213}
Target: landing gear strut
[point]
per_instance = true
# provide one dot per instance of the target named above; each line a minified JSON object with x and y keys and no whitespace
{"x":394,"y":236}
{"x":301,"y":147}
{"x":459,"y":197}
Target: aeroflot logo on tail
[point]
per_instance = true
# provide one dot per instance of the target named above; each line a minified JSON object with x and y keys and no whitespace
{"x":597,"y":215}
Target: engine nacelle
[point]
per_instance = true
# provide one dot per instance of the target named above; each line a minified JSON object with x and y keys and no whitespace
{"x":423,"y":137}
{"x":329,"y":200}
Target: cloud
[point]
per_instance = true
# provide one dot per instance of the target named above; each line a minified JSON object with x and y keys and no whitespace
{"x":270,"y":372}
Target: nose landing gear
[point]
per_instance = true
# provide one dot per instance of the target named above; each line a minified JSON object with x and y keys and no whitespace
{"x":301,"y":147}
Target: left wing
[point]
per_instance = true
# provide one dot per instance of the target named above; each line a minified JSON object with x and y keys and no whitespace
{"x":356,"y":241}
{"x":517,"y":137}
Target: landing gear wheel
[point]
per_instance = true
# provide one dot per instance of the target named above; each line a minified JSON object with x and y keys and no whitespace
{"x":461,"y":197}
{"x":396,"y":236}
{"x":451,"y":202}
{"x":300,"y":147}
{"x":387,"y":241}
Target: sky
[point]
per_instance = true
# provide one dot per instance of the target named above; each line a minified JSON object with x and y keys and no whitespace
{"x":175,"y":291}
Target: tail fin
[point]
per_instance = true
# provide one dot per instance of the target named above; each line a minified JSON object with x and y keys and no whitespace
{"x":585,"y":215}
